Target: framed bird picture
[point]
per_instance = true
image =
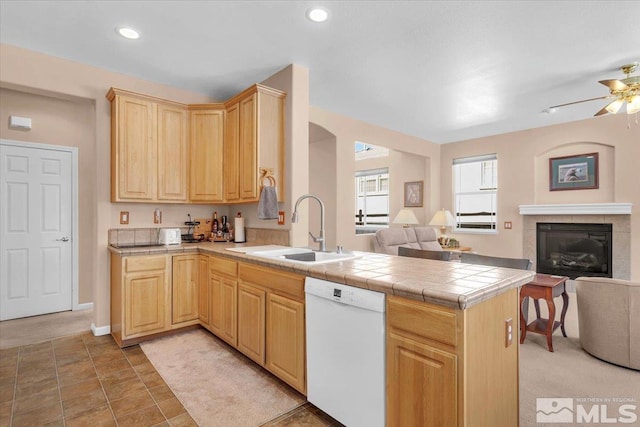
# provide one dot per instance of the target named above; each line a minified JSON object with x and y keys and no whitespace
{"x":578,"y":172}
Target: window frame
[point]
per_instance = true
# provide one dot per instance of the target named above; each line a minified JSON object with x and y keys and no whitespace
{"x":483,"y":189}
{"x":361,"y":191}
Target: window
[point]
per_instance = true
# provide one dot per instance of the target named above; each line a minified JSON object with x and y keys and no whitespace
{"x":372,"y":200}
{"x":475,"y":189}
{"x":369,"y":151}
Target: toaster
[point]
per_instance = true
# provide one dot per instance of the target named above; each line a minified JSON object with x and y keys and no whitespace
{"x":169,"y":236}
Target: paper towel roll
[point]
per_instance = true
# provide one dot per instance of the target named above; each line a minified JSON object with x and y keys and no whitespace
{"x":238,"y":227}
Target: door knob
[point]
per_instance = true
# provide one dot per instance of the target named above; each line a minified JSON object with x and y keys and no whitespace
{"x":64,"y":239}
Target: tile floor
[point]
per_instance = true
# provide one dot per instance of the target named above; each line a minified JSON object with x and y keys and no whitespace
{"x":84,"y":380}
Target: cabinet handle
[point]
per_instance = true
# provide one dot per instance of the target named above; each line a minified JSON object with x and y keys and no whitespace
{"x":64,"y":239}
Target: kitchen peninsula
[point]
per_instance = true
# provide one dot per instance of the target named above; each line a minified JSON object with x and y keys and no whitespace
{"x":451,"y":348}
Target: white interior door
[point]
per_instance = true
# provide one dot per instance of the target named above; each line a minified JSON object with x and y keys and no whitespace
{"x":35,"y":231}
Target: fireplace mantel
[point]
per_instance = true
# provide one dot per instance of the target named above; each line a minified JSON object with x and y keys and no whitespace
{"x":578,"y":209}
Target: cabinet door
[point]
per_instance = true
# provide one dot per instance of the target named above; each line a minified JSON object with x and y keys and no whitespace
{"x":185,"y":288}
{"x":173,"y":145}
{"x":203,"y":289}
{"x":286,"y":340}
{"x":205,"y":184}
{"x":223,"y":308}
{"x":421,"y":384}
{"x":248,"y":149}
{"x":232,"y":153}
{"x":133,"y":162}
{"x":146,"y":303}
{"x":251,"y":322}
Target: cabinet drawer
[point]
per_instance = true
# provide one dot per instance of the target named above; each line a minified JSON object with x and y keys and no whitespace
{"x":145,"y":263}
{"x":285,"y":283}
{"x":422,"y":319}
{"x":223,"y":266}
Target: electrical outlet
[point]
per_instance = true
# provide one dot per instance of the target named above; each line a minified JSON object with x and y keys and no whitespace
{"x":281,"y":218}
{"x":124,"y":217}
{"x":508,"y":225}
{"x":508,"y":332}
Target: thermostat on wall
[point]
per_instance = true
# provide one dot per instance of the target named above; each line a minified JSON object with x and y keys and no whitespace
{"x":16,"y":122}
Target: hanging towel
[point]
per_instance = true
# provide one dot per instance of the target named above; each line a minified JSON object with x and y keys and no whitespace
{"x":268,"y":204}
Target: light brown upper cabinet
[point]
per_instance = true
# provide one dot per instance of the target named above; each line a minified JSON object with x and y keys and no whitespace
{"x":172,"y":153}
{"x":254,"y":142}
{"x":148,"y":149}
{"x":164,"y":151}
{"x":207,"y":132}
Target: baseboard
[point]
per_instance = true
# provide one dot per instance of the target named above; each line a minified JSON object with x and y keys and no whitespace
{"x":100,"y":330}
{"x":83,"y":306}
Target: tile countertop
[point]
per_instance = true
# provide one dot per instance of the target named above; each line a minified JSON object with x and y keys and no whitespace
{"x":449,"y":284}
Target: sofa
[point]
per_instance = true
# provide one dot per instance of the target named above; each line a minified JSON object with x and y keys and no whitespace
{"x":609,"y":319}
{"x":388,"y":240}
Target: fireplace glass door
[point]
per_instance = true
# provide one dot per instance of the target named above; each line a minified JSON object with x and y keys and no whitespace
{"x":574,"y":250}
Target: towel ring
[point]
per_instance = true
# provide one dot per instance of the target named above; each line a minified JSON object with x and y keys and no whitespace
{"x":267,"y":174}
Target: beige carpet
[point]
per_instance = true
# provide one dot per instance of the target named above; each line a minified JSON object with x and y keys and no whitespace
{"x":217,"y":385}
{"x":570,"y":372}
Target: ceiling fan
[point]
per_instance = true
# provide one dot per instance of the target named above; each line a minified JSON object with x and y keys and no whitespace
{"x":623,"y":91}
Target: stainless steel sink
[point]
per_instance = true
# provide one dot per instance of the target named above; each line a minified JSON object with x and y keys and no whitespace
{"x":303,"y":256}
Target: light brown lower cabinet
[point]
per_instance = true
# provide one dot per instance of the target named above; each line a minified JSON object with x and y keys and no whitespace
{"x":452,"y":367}
{"x":223,"y":299}
{"x":185,"y":291}
{"x":140,"y":296}
{"x":251,"y":322}
{"x":203,"y":289}
{"x":444,"y":366}
{"x":286,"y":355}
{"x":271,"y":322}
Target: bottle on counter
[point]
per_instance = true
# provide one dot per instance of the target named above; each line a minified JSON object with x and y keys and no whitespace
{"x":215,"y":227}
{"x":225,"y":225}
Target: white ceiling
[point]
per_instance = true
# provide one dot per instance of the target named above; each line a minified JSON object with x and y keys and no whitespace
{"x":441,"y":70}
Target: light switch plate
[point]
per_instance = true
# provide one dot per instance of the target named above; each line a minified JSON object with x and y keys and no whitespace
{"x":124,"y":217}
{"x":508,"y":225}
{"x":281,"y":218}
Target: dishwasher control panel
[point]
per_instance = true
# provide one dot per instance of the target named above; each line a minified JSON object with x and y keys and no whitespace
{"x":345,"y":294}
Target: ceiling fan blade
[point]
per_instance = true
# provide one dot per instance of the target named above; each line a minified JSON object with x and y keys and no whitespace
{"x":616,"y":85}
{"x":578,"y":102}
{"x":601,"y":112}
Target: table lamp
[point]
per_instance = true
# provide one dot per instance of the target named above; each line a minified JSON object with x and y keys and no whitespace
{"x":405,"y":217}
{"x":443,"y":219}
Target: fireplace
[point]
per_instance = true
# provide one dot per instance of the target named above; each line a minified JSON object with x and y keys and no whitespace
{"x":574,"y":249}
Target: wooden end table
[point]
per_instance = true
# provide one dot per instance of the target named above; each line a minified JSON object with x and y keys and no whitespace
{"x":543,"y":286}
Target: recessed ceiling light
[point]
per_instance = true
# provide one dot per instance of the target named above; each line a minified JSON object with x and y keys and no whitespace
{"x":317,"y":14}
{"x":127,"y":33}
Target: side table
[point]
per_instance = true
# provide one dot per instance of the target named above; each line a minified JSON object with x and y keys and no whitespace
{"x":543,"y":286}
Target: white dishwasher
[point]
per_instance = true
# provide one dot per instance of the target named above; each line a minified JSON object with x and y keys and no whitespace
{"x":345,"y":329}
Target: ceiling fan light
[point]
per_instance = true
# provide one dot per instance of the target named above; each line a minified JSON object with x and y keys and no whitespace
{"x":633,"y":105}
{"x":614,"y":107}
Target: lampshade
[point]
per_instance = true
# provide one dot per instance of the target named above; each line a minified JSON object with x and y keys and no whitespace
{"x":405,"y":217}
{"x":633,"y":104}
{"x":614,"y":106}
{"x":443,"y":219}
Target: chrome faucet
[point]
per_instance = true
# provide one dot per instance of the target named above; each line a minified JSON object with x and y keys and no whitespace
{"x":294,"y":218}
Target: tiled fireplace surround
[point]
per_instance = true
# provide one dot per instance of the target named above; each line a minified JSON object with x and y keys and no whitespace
{"x":621,"y":236}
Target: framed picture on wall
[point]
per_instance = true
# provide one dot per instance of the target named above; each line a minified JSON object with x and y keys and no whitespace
{"x":413,"y":194}
{"x":579,"y":172}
